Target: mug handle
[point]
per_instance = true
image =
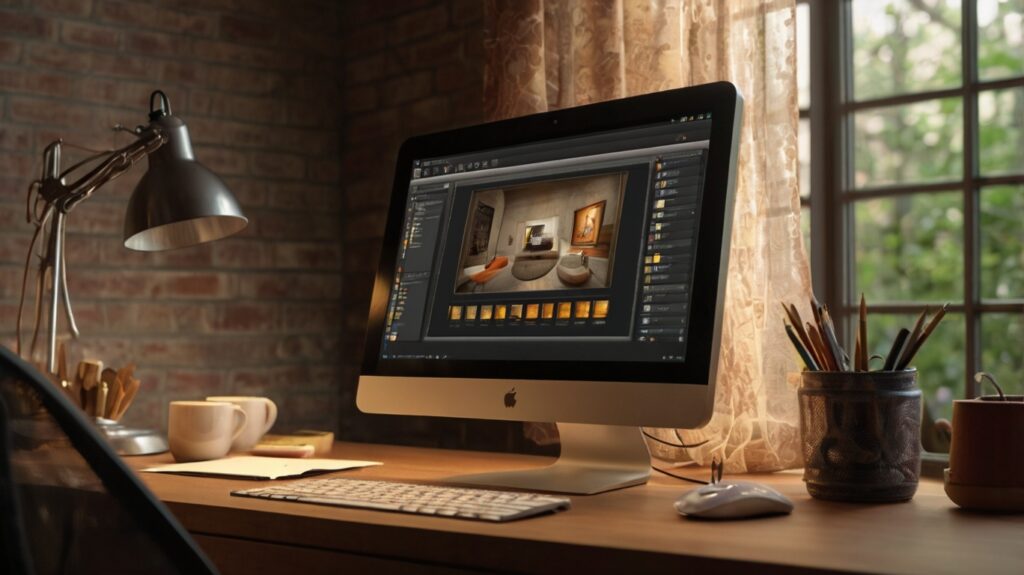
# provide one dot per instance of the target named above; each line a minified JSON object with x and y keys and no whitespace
{"x":271,"y":415}
{"x":240,"y":423}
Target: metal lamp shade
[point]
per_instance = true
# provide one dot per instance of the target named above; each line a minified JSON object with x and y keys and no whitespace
{"x":178,"y":202}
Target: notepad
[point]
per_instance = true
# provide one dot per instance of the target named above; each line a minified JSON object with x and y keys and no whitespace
{"x":251,"y":467}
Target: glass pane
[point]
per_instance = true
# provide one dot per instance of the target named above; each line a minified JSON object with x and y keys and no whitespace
{"x":904,"y":46}
{"x":939,"y":362}
{"x":1002,"y":353}
{"x":910,"y":248}
{"x":804,"y":157}
{"x":1002,"y":243}
{"x":1001,"y":131}
{"x":803,"y":54}
{"x":1000,"y":38}
{"x":917,"y":143}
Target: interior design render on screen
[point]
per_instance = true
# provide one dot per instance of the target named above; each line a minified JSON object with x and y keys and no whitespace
{"x":551,"y":234}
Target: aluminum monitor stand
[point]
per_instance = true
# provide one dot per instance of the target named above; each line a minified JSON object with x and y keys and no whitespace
{"x":594,"y":459}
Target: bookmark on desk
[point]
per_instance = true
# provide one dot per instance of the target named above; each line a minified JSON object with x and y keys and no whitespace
{"x":250,"y":467}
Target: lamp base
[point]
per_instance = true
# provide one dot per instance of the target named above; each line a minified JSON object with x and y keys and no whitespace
{"x":131,"y":441}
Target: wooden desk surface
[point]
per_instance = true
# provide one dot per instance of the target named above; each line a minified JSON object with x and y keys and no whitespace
{"x":632,"y":530}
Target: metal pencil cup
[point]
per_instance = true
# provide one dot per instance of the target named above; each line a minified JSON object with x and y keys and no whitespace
{"x":861,"y":435}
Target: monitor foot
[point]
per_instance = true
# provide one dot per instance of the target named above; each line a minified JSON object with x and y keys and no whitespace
{"x":594,"y":459}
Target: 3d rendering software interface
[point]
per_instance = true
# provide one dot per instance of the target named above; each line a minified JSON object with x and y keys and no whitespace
{"x":576,"y":249}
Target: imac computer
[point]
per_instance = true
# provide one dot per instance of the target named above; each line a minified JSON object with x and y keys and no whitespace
{"x":564,"y":267}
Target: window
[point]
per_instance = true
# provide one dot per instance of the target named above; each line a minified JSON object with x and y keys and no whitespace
{"x":918,"y":113}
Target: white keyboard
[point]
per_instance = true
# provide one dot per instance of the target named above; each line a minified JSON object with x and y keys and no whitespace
{"x":459,"y":502}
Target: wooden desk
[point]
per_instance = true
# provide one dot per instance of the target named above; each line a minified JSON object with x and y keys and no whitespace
{"x":634,"y":530}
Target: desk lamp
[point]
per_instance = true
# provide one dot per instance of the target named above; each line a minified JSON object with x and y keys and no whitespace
{"x":177,"y":203}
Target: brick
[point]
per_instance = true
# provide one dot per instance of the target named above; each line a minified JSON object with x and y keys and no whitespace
{"x":24,"y":166}
{"x":223,"y":132}
{"x":144,"y":16}
{"x":312,"y":318}
{"x":367,"y":195}
{"x":367,"y":225}
{"x":237,"y":54}
{"x":147,"y":317}
{"x":239,"y":253}
{"x":247,"y":30}
{"x":325,"y":171}
{"x":59,"y":57}
{"x":15,"y":138}
{"x":89,"y":35}
{"x":466,"y":12}
{"x":65,"y":7}
{"x":240,"y":80}
{"x":307,"y":255}
{"x":273,"y":165}
{"x":24,"y":25}
{"x":372,"y":125}
{"x":301,"y":195}
{"x":365,"y":39}
{"x":156,"y":44}
{"x":289,"y":286}
{"x":458,"y":75}
{"x":250,"y":317}
{"x":123,"y":66}
{"x":10,"y":51}
{"x":13,"y":248}
{"x":197,"y":383}
{"x":361,"y":98}
{"x":362,"y":258}
{"x":360,"y":12}
{"x":366,"y":69}
{"x":46,"y":83}
{"x":418,"y":24}
{"x":186,"y":73}
{"x":437,"y":50}
{"x":406,"y":88}
{"x":427,"y":115}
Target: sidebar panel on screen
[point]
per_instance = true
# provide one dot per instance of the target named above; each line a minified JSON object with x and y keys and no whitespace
{"x":424,"y":220}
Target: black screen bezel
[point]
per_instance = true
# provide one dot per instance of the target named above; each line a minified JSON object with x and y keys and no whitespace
{"x":720,"y":99}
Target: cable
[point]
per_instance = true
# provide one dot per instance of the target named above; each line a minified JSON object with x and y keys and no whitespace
{"x":680,"y":445}
{"x":670,"y":474}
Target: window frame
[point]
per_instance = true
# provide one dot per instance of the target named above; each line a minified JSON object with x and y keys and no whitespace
{"x":833,"y":196}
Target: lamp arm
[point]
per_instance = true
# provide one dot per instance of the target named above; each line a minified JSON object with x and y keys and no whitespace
{"x":59,"y":198}
{"x":66,"y":196}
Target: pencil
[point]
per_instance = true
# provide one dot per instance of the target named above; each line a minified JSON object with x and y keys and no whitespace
{"x":829,"y":335}
{"x":905,"y":357}
{"x":797,"y":321}
{"x":829,"y":361}
{"x":804,"y":354}
{"x":897,"y":347}
{"x":927,"y":332}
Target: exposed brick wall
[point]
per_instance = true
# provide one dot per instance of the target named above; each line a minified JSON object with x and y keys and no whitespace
{"x":411,"y":67}
{"x":258,"y":82}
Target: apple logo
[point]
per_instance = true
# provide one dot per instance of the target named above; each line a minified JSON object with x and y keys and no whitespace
{"x":510,"y":398}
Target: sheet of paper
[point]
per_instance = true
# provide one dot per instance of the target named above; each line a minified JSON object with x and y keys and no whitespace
{"x":261,"y":467}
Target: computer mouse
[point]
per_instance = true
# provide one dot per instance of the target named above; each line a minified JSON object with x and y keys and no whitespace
{"x":733,"y":500}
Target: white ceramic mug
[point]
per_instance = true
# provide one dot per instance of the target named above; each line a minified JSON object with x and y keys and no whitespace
{"x":261,"y":413}
{"x":201,"y":430}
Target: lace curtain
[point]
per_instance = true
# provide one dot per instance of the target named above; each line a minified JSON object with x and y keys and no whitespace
{"x":549,"y":54}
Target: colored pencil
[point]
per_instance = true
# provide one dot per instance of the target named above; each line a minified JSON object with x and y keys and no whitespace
{"x":804,"y":353}
{"x":915,"y":333}
{"x":897,"y":347}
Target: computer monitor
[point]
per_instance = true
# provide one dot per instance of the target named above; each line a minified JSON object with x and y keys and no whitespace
{"x":562,"y":267}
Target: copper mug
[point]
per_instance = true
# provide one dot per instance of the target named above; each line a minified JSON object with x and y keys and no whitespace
{"x":986,"y":456}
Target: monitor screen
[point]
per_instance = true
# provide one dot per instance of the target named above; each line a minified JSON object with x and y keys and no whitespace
{"x":566,"y":266}
{"x":575,"y":249}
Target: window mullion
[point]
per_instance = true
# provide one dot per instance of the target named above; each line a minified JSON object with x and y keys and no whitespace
{"x":972,"y":321}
